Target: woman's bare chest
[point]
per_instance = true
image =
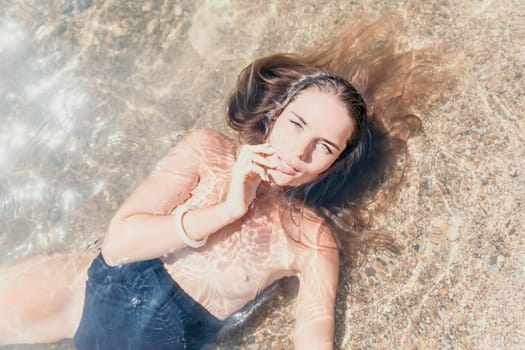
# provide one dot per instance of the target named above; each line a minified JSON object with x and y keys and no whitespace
{"x":248,"y":250}
{"x":228,"y":274}
{"x":238,"y":261}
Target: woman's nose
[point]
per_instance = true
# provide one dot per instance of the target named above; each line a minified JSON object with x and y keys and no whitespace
{"x":302,"y":149}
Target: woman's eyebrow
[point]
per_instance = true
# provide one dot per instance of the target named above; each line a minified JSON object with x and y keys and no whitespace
{"x":301,"y":119}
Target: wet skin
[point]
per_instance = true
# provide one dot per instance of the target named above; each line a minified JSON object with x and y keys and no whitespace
{"x":240,"y":258}
{"x":248,"y":255}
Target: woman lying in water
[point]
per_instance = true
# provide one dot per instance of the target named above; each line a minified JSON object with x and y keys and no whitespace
{"x":218,"y":221}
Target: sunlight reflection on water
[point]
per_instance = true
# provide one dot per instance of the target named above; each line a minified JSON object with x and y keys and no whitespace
{"x":92,"y":94}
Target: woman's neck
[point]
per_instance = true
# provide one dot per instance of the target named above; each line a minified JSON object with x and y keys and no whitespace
{"x":269,"y":189}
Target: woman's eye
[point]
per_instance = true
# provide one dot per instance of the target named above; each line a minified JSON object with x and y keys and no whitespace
{"x":326,"y":148}
{"x":296,"y":124}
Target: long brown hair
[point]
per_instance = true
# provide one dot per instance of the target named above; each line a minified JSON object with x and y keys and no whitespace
{"x":381,"y":89}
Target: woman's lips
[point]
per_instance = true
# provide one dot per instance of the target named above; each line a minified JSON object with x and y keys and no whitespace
{"x":286,"y":168}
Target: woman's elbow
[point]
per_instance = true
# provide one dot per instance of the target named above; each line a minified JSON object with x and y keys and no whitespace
{"x":317,"y":335}
{"x":113,"y":248}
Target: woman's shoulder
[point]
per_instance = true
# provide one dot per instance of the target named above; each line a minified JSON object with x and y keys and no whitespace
{"x":207,"y":136}
{"x":208,"y":141}
{"x":313,"y":232}
{"x":320,"y":234}
{"x":315,"y":244}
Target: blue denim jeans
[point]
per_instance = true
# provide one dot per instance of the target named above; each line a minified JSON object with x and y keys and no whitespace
{"x":139,"y":306}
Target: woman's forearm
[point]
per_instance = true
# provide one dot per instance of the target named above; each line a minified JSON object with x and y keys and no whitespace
{"x":148,"y":236}
{"x":200,"y":223}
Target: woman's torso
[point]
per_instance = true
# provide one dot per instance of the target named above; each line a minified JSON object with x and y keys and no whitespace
{"x":242,"y":258}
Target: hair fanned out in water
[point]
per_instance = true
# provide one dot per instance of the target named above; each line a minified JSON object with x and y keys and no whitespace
{"x":393,"y":86}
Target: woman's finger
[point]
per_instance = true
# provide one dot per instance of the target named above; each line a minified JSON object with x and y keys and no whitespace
{"x":246,"y":150}
{"x":253,"y":168}
{"x":262,"y":163}
{"x":246,"y":167}
{"x":263,"y":148}
{"x":267,"y":162}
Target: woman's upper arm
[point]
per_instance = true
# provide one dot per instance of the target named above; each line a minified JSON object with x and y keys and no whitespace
{"x":315,"y":306}
{"x":169,"y":184}
{"x":144,"y":216}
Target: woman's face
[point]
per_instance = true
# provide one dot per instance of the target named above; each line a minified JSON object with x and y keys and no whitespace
{"x":308,"y":137}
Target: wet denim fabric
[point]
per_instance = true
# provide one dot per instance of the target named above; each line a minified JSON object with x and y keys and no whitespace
{"x":139,"y":306}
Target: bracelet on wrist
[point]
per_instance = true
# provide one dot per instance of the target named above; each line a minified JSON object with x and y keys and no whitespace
{"x":179,"y":214}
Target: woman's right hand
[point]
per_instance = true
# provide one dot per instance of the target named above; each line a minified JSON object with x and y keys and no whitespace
{"x":247,"y":173}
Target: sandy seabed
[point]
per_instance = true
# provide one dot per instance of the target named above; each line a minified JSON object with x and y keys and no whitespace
{"x":93,"y":93}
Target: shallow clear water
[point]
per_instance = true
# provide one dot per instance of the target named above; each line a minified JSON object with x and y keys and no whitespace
{"x":90,"y":100}
{"x":94,"y":92}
